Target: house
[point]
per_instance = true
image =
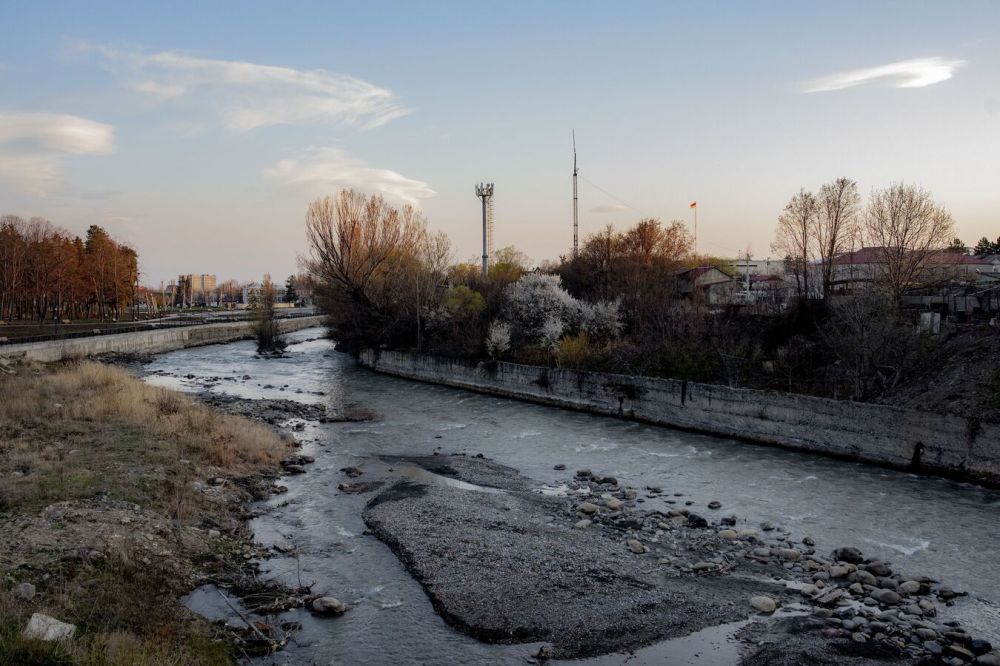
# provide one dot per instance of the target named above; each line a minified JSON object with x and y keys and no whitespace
{"x":707,"y":283}
{"x":857,"y":269}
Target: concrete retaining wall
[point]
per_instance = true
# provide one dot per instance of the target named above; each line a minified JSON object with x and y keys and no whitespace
{"x":155,"y":341}
{"x":919,"y":441}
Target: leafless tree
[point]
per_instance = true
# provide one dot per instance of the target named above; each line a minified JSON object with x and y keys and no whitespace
{"x":836,"y":224}
{"x":796,"y":232}
{"x":908,"y":232}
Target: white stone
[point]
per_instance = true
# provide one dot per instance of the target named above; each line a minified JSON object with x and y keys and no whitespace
{"x":44,"y":628}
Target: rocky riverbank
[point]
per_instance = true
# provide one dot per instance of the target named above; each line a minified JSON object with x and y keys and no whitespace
{"x":584,"y":569}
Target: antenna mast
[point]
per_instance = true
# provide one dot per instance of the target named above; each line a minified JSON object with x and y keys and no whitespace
{"x":485,"y":192}
{"x":576,"y":222}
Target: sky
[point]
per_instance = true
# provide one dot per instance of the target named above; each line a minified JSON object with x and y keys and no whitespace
{"x":199,"y":132}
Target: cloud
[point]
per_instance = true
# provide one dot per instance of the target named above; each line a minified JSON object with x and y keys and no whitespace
{"x":609,"y":208}
{"x":33,"y":146}
{"x":916,"y":73}
{"x":332,"y":168}
{"x":247,"y":95}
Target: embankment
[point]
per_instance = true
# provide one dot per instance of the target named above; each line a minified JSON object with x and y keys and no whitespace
{"x":152,"y":342}
{"x":927,"y":442}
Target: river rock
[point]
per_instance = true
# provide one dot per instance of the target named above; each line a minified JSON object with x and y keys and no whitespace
{"x":991,"y":659}
{"x":359,"y":487}
{"x":295,"y":469}
{"x":715,"y":504}
{"x":588,"y":508}
{"x":609,"y":481}
{"x":584,"y":474}
{"x":809,"y":542}
{"x":728,"y":535}
{"x":694,"y":520}
{"x":909,"y":587}
{"x":878,"y":568}
{"x":614,"y":504}
{"x":45,"y":628}
{"x":887,"y":597}
{"x":848,"y":554}
{"x":839,"y":571}
{"x":636,"y":546}
{"x":763,"y":604}
{"x":284,"y":547}
{"x":24,"y":591}
{"x":327,"y":606}
{"x":789,"y":554}
{"x":979,"y":646}
{"x":865,"y":577}
{"x":560,"y":467}
{"x":352,"y":472}
{"x":586,"y":522}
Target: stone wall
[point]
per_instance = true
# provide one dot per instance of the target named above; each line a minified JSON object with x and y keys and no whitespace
{"x":154,"y":341}
{"x":919,"y":441}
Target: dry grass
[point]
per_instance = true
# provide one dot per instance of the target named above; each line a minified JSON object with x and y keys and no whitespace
{"x":85,"y":427}
{"x":93,"y":460}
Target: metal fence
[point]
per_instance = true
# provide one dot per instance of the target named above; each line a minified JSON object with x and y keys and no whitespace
{"x":145,"y":326}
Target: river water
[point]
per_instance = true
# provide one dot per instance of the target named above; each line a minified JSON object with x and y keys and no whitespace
{"x":921,"y":525}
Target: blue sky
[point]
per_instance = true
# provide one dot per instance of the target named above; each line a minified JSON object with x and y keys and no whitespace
{"x":200,"y":133}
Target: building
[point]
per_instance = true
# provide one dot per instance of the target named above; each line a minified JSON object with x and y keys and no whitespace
{"x":707,"y":283}
{"x":854,"y":270}
{"x":195,"y":290}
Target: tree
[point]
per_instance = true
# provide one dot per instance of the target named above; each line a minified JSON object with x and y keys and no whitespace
{"x":363,"y":253}
{"x":291,"y":295}
{"x":985,"y":247}
{"x":796,"y":232}
{"x":907,"y":231}
{"x":957,"y":247}
{"x":836,"y":224}
{"x":269,"y":339}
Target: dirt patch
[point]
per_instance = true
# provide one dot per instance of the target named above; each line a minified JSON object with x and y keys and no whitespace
{"x":116,"y":498}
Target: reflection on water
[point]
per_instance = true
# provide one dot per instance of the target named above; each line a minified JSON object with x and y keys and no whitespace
{"x":922,"y":525}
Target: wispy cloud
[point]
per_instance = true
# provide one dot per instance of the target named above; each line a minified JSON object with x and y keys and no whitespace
{"x":33,"y":146}
{"x":323,"y":169}
{"x":916,"y":73}
{"x":609,"y":208}
{"x":247,"y":95}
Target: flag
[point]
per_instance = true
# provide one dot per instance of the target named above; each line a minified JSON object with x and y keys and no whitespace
{"x":694,"y":204}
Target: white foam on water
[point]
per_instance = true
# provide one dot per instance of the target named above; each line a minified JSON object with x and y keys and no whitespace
{"x":527,"y":433}
{"x":919,"y":545}
{"x":659,"y":454}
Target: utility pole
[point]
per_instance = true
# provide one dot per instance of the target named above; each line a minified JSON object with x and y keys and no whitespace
{"x":576,"y":220}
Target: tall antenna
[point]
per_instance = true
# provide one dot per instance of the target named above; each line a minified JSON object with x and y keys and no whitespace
{"x":485,"y":192}
{"x":576,"y":221}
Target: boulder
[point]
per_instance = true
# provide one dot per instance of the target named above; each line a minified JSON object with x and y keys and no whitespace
{"x":327,"y":606}
{"x":44,"y":628}
{"x":763,"y":604}
{"x":848,"y":554}
{"x":24,"y":591}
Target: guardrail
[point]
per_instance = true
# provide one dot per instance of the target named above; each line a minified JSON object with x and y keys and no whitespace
{"x":146,"y":326}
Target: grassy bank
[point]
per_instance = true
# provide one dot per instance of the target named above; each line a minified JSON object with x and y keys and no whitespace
{"x":117,"y":497}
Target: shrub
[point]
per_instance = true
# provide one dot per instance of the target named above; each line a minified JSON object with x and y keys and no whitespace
{"x":498,"y":339}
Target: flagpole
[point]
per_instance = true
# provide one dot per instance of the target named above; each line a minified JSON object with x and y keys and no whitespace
{"x":696,"y":228}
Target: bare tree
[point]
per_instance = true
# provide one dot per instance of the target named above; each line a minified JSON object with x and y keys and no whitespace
{"x":908,"y":232}
{"x":795,"y":233}
{"x":836,"y":224}
{"x":363,"y":252}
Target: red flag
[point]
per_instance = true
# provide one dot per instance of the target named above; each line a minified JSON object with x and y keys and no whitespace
{"x":694,"y":204}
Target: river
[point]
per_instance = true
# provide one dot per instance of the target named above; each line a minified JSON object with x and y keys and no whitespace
{"x":922,"y":525}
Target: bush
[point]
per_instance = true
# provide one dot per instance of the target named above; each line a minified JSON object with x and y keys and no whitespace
{"x":574,"y":352}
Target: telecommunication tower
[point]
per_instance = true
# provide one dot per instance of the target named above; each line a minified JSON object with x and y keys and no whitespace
{"x":485,"y":192}
{"x":576,"y":222}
